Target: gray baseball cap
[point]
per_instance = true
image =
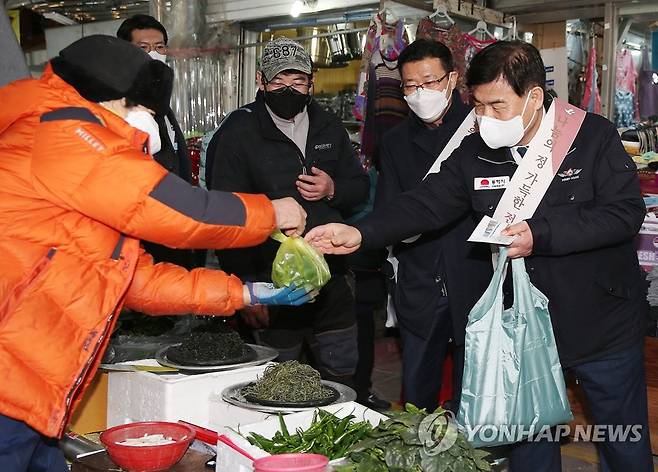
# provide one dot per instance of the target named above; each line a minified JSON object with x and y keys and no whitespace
{"x":282,"y":54}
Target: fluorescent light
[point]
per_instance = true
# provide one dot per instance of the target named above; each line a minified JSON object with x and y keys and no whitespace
{"x":59,"y":18}
{"x":296,"y":8}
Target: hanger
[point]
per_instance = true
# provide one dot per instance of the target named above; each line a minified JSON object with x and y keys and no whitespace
{"x":512,"y":33}
{"x":442,"y":13}
{"x":389,"y":17}
{"x":482,"y":27}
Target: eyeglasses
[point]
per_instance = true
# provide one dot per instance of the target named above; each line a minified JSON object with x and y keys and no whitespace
{"x":158,"y":47}
{"x":430,"y":84}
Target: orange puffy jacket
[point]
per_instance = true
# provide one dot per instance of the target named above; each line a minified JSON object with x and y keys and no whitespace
{"x":77,"y":193}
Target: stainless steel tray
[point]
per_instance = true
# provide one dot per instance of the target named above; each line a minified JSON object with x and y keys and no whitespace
{"x":234,"y":396}
{"x":263,"y":354}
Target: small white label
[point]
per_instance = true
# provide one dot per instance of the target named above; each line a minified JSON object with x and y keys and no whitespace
{"x":491,"y":183}
{"x":488,"y":231}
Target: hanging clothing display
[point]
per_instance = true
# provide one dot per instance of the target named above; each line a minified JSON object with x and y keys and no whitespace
{"x":380,"y":103}
{"x":592,"y":99}
{"x":626,"y":74}
{"x":626,"y":89}
{"x":385,"y":108}
{"x":624,"y":109}
{"x":384,"y":40}
{"x":475,"y":45}
{"x":648,"y":84}
{"x":454,"y":39}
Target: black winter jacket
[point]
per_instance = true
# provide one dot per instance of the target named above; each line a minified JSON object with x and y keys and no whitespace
{"x":173,"y":156}
{"x":437,"y":257}
{"x":249,"y":154}
{"x":584,"y":258}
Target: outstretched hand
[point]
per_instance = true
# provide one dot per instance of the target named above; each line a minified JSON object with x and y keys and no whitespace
{"x":334,"y":238}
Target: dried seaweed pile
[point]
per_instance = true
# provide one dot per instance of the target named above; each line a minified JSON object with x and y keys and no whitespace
{"x":209,"y":347}
{"x":288,"y":382}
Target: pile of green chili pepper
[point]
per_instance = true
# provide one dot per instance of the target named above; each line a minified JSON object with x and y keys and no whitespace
{"x":328,"y":435}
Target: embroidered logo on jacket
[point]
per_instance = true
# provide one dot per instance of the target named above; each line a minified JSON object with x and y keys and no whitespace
{"x":323,"y":147}
{"x":570,"y":174}
{"x":90,"y":139}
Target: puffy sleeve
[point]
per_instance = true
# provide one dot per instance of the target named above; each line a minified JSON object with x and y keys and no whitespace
{"x":85,"y":167}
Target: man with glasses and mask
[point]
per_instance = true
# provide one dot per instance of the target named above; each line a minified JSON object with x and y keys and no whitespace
{"x":169,"y":148}
{"x":578,"y":243}
{"x":429,"y":296}
{"x":147,"y":33}
{"x":283,"y":143}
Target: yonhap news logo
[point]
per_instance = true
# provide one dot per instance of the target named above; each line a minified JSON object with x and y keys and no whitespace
{"x":438,"y":432}
{"x":507,"y":434}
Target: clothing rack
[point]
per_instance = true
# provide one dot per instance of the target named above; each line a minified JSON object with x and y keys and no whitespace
{"x":305,"y":38}
{"x":632,"y":47}
{"x":470,"y":11}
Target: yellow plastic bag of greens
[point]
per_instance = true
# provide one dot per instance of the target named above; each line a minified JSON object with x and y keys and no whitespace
{"x":296,"y":262}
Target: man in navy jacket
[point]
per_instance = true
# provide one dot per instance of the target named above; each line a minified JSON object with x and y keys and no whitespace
{"x":578,"y":245}
{"x":429,"y":297}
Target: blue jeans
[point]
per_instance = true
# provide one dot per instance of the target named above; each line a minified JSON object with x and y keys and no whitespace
{"x":616,"y":392}
{"x":22,"y":449}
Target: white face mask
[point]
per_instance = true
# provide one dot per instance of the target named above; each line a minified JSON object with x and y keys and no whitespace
{"x":428,"y":105}
{"x":504,"y":133}
{"x":144,"y":121}
{"x":157,"y":56}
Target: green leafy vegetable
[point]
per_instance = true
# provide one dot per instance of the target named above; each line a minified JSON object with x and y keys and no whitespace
{"x":296,"y":262}
{"x":328,"y":435}
{"x":397,"y":444}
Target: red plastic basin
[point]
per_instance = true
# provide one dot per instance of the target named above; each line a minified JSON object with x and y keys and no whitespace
{"x":292,"y":463}
{"x":147,"y":458}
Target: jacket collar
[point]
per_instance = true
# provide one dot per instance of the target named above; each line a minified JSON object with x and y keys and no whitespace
{"x":317,"y":117}
{"x":451,"y":121}
{"x":494,"y":156}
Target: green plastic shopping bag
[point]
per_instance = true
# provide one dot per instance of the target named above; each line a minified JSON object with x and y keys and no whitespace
{"x":513,"y":386}
{"x":296,"y":262}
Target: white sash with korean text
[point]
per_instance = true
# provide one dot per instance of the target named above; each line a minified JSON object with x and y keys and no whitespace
{"x":468,"y":126}
{"x":534,"y":175}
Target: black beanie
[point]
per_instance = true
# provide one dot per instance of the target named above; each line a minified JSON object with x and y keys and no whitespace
{"x":105,"y":68}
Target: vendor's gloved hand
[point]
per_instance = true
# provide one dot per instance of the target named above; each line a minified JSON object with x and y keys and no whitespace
{"x":262,"y":293}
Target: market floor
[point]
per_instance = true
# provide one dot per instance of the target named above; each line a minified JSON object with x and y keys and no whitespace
{"x":387,"y":381}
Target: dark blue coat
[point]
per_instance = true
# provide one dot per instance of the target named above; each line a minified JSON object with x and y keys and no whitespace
{"x":584,"y":258}
{"x":407,"y":153}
